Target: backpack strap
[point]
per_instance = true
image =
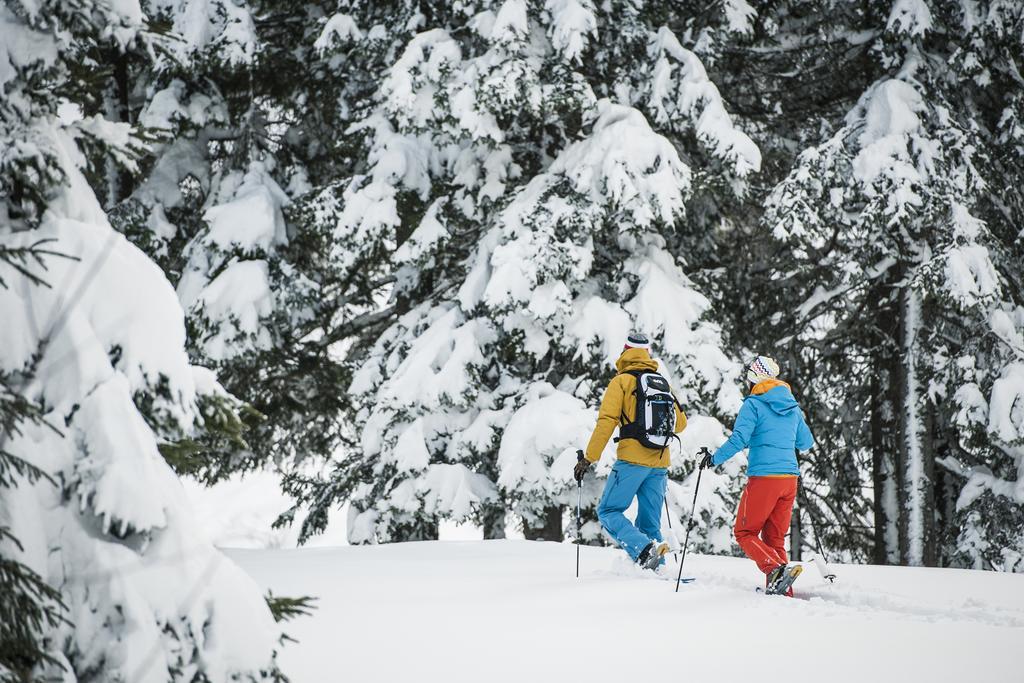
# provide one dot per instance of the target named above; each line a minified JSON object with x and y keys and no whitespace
{"x":629,"y":429}
{"x":636,"y":375}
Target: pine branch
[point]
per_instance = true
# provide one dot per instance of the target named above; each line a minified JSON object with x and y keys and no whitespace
{"x":21,"y":258}
{"x":357,"y":324}
{"x":286,"y":608}
{"x":29,"y":609}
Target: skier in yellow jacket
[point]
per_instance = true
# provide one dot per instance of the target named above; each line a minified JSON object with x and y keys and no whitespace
{"x":640,"y":471}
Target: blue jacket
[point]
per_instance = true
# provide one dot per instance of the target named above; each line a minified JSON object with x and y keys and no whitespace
{"x":772,"y":425}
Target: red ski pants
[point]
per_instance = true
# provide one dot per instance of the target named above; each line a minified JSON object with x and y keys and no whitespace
{"x":762,"y":520}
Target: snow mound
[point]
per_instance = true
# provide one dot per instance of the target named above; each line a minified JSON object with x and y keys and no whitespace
{"x":515,"y":610}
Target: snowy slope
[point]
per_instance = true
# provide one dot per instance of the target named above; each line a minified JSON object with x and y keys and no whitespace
{"x":513,"y":611}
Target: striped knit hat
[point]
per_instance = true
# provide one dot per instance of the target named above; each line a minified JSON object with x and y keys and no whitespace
{"x":762,"y":368}
{"x":637,"y":340}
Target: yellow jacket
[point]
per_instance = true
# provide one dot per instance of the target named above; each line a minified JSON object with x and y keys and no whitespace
{"x":618,"y":400}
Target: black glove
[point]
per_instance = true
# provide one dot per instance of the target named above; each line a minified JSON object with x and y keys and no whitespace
{"x":705,"y":462}
{"x":582,"y":464}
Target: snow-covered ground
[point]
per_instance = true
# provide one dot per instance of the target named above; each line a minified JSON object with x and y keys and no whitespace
{"x":513,"y":611}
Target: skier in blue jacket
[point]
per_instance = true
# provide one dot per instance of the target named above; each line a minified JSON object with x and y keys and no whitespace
{"x":772,"y":426}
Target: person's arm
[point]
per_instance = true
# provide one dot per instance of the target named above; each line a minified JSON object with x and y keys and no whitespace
{"x":741,"y":433}
{"x":680,"y":418}
{"x":607,"y":419}
{"x":804,"y":438}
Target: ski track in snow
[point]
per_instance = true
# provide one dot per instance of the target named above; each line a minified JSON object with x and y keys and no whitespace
{"x":837,"y":599}
{"x":838,"y":596}
{"x":513,"y":611}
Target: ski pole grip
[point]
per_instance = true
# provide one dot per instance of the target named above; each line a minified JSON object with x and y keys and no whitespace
{"x":578,"y":475}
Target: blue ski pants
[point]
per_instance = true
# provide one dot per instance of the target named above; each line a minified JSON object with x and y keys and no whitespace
{"x":647,"y":485}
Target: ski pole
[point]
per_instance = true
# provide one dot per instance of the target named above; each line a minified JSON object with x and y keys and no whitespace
{"x":690,"y":525}
{"x":668,"y":516}
{"x":820,"y":559}
{"x":579,"y":522}
{"x":817,"y":542}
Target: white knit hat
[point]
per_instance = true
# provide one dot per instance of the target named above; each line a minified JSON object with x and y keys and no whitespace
{"x":762,"y":368}
{"x":638,"y":340}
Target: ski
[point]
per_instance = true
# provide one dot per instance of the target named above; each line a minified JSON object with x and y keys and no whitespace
{"x":660,"y":577}
{"x":685,"y":579}
{"x":656,"y":576}
{"x":671,"y":577}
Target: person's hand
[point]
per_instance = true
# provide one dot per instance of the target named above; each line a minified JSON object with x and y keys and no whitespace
{"x":705,"y":462}
{"x":582,"y":465}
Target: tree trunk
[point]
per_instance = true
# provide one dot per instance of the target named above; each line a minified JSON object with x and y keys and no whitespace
{"x":884,"y":393}
{"x":492,"y":518}
{"x":548,"y":527}
{"x":421,"y":530}
{"x":878,"y":469}
{"x":116,"y":108}
{"x":930,"y":536}
{"x":947,"y":492}
{"x":884,"y":459}
{"x":916,"y":461}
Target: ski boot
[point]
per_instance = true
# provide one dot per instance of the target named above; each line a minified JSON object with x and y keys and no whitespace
{"x":780,"y":580}
{"x":651,"y":556}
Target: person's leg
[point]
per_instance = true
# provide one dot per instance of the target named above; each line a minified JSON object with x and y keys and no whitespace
{"x":649,"y":499}
{"x":623,"y":482}
{"x":756,"y":503}
{"x":777,"y":525}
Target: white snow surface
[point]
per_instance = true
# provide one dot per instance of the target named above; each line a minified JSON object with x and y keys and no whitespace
{"x":513,"y":611}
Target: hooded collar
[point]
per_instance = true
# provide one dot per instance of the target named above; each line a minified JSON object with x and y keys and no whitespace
{"x":767,"y":385}
{"x":635,"y":359}
{"x":775,"y":394}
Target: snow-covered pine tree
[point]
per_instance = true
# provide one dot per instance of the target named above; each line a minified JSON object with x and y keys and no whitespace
{"x":95,"y":378}
{"x":785,"y":72}
{"x":986,"y":521}
{"x":208,"y":208}
{"x":909,"y":256}
{"x":457,"y":124}
{"x":573,"y":263}
{"x":485,"y":347}
{"x":258,"y":104}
